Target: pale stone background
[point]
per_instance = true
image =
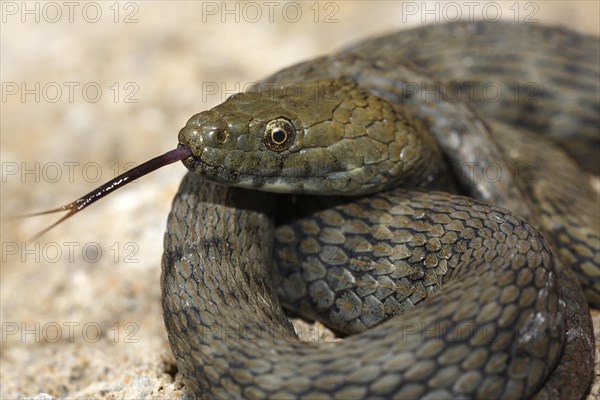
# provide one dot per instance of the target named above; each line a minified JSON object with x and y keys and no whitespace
{"x":81,"y":324}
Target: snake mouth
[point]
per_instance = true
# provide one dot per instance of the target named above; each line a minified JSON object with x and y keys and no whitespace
{"x":229,"y":177}
{"x":267,"y":182}
{"x":195,"y":164}
{"x":193,"y":160}
{"x":221,"y":174}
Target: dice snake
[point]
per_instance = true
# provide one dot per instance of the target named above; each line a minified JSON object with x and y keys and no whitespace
{"x":369,"y":152}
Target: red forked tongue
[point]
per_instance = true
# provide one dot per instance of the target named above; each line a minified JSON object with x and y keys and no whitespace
{"x":73,"y":208}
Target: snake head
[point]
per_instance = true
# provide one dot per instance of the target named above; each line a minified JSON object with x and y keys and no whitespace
{"x":325,"y":137}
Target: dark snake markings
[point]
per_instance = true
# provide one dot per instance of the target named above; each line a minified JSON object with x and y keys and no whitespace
{"x":489,"y":301}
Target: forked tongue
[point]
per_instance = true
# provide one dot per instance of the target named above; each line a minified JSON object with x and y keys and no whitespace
{"x":74,"y":207}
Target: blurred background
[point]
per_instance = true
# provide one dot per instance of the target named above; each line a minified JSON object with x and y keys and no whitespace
{"x":91,"y":88}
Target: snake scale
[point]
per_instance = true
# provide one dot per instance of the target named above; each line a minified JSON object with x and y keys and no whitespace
{"x":395,"y":130}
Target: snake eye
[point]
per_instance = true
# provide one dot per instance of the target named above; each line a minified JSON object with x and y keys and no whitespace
{"x":279,"y":134}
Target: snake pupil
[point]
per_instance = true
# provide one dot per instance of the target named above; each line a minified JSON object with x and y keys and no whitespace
{"x":278,"y":135}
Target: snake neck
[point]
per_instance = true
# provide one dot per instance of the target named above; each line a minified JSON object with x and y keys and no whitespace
{"x":212,"y":268}
{"x":229,"y":220}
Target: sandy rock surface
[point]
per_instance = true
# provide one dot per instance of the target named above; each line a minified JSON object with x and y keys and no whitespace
{"x":89,"y":90}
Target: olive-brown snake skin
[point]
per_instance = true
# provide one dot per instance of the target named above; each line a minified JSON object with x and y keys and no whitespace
{"x":490,"y":303}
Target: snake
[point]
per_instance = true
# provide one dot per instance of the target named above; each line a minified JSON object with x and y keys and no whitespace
{"x":423,"y":194}
{"x":450,"y":235}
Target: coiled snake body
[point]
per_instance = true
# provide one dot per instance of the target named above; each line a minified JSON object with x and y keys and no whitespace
{"x":486,"y":301}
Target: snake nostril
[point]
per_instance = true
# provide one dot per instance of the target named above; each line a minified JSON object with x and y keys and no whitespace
{"x":213,"y":129}
{"x":213,"y":135}
{"x":205,"y":129}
